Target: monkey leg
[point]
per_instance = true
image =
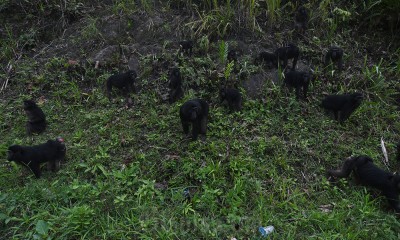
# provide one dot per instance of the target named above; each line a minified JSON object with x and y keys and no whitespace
{"x":305,"y":90}
{"x":237,"y":106}
{"x":340,"y":64}
{"x":53,"y":165}
{"x":185,"y":126}
{"x":327,"y":59}
{"x":35,"y":167}
{"x":203,"y":125}
{"x":347,"y":167}
{"x":293,"y":63}
{"x":336,"y":114}
{"x":346,"y":111}
{"x":393,"y":199}
{"x":28,"y":128}
{"x":297,"y":92}
{"x":109,"y":90}
{"x":285,"y":62}
{"x":195,"y":129}
{"x":173,"y":95}
{"x":50,"y":166}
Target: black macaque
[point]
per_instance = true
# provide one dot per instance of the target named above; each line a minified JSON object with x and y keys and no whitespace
{"x":301,"y":19}
{"x":194,"y":112}
{"x":232,"y":56}
{"x":123,"y":81}
{"x":36,"y":119}
{"x":288,"y":52}
{"x":298,"y":80}
{"x":175,"y":85}
{"x":186,"y":46}
{"x":342,"y":105}
{"x":268,"y":58}
{"x":368,"y":174}
{"x":232,"y":97}
{"x":52,"y":152}
{"x":334,"y":54}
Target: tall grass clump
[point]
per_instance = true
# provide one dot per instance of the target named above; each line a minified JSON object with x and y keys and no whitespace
{"x":222,"y":18}
{"x":272,"y":8}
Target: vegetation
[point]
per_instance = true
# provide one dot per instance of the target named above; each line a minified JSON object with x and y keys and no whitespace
{"x":128,"y":170}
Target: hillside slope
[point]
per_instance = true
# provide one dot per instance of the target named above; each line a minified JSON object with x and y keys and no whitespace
{"x":130,"y":173}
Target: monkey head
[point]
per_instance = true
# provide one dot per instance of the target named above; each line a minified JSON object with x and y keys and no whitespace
{"x":132,"y":74}
{"x":175,"y":72}
{"x":336,"y":52}
{"x":194,"y":113}
{"x":29,"y":104}
{"x":60,"y":140}
{"x":302,"y":10}
{"x":185,"y":44}
{"x":358,"y":97}
{"x":15,"y":153}
{"x":291,"y":46}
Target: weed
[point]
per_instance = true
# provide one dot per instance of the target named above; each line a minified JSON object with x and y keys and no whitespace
{"x":273,"y":10}
{"x":90,"y":31}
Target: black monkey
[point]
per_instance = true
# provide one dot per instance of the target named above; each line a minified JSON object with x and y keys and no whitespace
{"x":36,"y":119}
{"x":52,"y":152}
{"x":269,"y":58}
{"x":342,"y":105}
{"x":288,"y":52}
{"x":233,"y":97}
{"x":301,"y":19}
{"x":175,"y":85}
{"x":123,"y":81}
{"x":368,"y":174}
{"x":298,"y":80}
{"x":334,"y":54}
{"x":186,"y":46}
{"x":194,"y":112}
{"x":232,"y":56}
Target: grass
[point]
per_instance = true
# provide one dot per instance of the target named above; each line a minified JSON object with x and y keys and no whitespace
{"x":127,"y":169}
